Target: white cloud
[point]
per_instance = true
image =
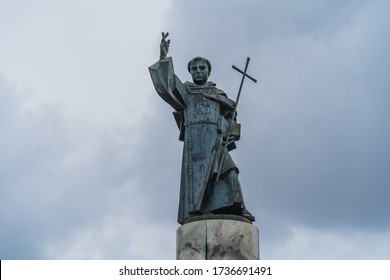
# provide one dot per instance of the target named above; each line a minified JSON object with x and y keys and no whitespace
{"x":90,"y":57}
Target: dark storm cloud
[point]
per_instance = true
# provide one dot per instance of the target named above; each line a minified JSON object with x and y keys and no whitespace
{"x":68,"y":182}
{"x":314,"y":156}
{"x":66,"y":185}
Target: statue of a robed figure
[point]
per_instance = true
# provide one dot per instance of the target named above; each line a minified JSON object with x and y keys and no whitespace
{"x":206,"y":118}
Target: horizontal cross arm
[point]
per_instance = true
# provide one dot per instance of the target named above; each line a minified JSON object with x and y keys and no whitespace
{"x":245,"y":74}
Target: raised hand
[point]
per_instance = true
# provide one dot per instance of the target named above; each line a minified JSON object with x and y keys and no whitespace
{"x":164,"y":46}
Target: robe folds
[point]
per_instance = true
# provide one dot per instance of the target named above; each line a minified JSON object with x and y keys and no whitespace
{"x":203,"y":114}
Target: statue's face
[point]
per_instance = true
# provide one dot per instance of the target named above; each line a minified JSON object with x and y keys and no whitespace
{"x":199,"y":72}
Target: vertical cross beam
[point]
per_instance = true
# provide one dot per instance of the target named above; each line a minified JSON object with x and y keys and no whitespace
{"x":244,"y":75}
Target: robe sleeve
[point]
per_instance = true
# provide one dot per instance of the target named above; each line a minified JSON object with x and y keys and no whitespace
{"x":167,"y":84}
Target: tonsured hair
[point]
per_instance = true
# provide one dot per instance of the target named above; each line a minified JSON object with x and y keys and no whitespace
{"x":199,"y":58}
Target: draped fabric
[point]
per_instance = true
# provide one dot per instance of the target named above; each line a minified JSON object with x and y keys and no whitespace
{"x":203,"y":113}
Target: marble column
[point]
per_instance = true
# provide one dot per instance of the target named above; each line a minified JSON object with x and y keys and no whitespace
{"x":217,"y":237}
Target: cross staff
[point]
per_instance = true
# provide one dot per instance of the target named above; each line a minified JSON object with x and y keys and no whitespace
{"x":244,"y":74}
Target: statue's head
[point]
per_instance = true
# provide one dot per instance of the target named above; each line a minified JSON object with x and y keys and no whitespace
{"x":199,"y":68}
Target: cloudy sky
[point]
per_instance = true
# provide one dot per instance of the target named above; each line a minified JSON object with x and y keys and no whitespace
{"x":89,"y":153}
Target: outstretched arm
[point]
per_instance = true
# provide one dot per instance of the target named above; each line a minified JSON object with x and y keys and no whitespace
{"x":166,"y":83}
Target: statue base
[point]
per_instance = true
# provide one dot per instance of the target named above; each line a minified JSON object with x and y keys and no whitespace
{"x":217,"y":237}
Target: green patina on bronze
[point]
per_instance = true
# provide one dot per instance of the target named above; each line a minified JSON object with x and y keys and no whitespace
{"x":206,"y":118}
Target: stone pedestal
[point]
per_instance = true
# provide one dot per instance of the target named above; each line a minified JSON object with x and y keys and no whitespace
{"x":217,"y":237}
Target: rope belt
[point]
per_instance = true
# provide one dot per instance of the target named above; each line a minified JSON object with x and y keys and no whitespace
{"x":199,"y":122}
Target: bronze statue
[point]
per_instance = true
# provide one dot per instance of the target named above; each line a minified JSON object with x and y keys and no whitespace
{"x":206,"y":118}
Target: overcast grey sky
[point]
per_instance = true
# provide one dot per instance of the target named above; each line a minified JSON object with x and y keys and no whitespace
{"x":89,"y":153}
